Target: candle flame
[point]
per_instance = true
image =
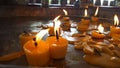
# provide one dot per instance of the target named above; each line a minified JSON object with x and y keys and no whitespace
{"x":85,"y":13}
{"x":96,"y":12}
{"x":100,"y":28}
{"x":56,"y":18}
{"x":57,"y":26}
{"x":116,"y":20}
{"x":66,"y":13}
{"x":41,"y":34}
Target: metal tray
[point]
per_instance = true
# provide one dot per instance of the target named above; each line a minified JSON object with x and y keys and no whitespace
{"x":10,"y":28}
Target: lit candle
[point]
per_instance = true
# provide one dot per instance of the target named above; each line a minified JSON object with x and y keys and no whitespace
{"x":65,"y":23}
{"x":95,"y":18}
{"x":26,"y":36}
{"x":100,"y":33}
{"x":58,"y":45}
{"x":66,"y":14}
{"x":37,"y":51}
{"x":51,"y":31}
{"x":85,"y":19}
{"x":115,"y":29}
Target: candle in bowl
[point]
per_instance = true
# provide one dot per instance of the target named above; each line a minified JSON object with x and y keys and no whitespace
{"x":99,"y":34}
{"x":37,"y":51}
{"x":58,"y":45}
{"x":26,"y":36}
{"x":95,"y":17}
{"x":115,"y":29}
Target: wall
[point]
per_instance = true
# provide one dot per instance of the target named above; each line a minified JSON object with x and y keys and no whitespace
{"x":12,"y":11}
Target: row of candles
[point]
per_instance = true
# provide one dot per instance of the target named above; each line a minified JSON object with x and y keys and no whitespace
{"x":39,"y":52}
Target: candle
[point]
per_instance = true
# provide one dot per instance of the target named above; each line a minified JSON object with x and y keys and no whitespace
{"x":58,"y":45}
{"x":66,"y":22}
{"x":85,"y":20}
{"x":115,"y":30}
{"x":66,"y":14}
{"x":37,"y":51}
{"x":95,"y":18}
{"x":99,"y":34}
{"x":26,"y":36}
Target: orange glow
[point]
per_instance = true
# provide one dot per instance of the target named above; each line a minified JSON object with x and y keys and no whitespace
{"x":100,"y":28}
{"x":116,"y":20}
{"x":41,"y":34}
{"x":66,"y":13}
{"x":85,"y":13}
{"x":96,"y":12}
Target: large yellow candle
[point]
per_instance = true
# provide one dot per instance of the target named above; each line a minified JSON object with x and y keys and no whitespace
{"x":24,"y":37}
{"x":37,"y":52}
{"x":58,"y":47}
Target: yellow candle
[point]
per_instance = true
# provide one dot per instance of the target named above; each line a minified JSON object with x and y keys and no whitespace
{"x":95,"y":18}
{"x":98,"y":34}
{"x":37,"y":52}
{"x":58,"y":48}
{"x":24,"y":37}
{"x":66,"y":13}
{"x":85,"y":20}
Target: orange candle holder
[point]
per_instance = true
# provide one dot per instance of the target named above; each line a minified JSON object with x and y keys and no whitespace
{"x":58,"y":48}
{"x":24,"y":37}
{"x":37,"y":55}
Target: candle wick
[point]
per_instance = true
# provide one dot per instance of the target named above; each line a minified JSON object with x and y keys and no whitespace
{"x":57,"y":36}
{"x":36,"y":44}
{"x":34,"y":39}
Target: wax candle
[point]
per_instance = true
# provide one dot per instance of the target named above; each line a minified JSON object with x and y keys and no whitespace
{"x":58,"y":45}
{"x":115,"y":29}
{"x":95,"y":18}
{"x":66,"y":13}
{"x":85,"y":20}
{"x":58,"y":48}
{"x":98,"y":34}
{"x":37,"y":51}
{"x":26,"y":36}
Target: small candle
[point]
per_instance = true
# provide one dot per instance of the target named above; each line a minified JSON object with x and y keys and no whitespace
{"x":58,"y":45}
{"x":85,"y":20}
{"x":66,"y":14}
{"x":115,"y":29}
{"x":95,"y":18}
{"x":37,"y":51}
{"x":99,"y":34}
{"x":26,"y":36}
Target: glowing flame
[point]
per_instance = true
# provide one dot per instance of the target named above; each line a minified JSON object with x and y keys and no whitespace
{"x":56,"y":18}
{"x":57,"y":26}
{"x":116,"y":20}
{"x":96,"y":12}
{"x":41,"y":34}
{"x":100,"y":28}
{"x":66,"y":13}
{"x":85,"y":13}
